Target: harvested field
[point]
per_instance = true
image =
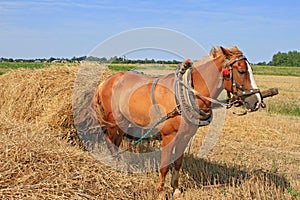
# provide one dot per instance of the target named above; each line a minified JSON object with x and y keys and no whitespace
{"x":256,"y":157}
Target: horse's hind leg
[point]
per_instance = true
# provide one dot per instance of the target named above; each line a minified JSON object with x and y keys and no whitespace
{"x":109,"y":138}
{"x":117,"y":140}
{"x":113,"y":139}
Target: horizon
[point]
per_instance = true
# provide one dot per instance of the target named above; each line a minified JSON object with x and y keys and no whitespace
{"x":112,"y":58}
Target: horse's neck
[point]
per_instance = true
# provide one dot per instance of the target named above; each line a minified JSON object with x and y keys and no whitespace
{"x":206,"y":77}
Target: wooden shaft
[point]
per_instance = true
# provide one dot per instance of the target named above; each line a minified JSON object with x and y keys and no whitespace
{"x":268,"y":93}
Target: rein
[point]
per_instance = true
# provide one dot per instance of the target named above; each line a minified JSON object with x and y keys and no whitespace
{"x":215,"y":101}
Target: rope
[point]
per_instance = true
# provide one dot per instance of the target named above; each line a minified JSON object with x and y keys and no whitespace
{"x":150,"y":130}
{"x":201,"y":96}
{"x":171,"y":114}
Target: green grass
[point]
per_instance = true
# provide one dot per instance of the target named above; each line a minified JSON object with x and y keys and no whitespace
{"x":276,"y":70}
{"x":6,"y":66}
{"x":126,"y":67}
{"x":16,"y":65}
{"x":259,"y":70}
{"x":121,"y":67}
{"x":283,"y":108}
{"x":293,"y":193}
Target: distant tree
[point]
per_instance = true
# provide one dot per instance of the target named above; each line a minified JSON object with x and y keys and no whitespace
{"x":261,"y":63}
{"x":175,"y":62}
{"x":292,"y":58}
{"x":51,"y":59}
{"x":81,"y":58}
{"x":103,"y":60}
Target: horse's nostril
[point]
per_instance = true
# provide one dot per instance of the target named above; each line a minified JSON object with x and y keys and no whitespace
{"x":255,"y":106}
{"x":258,"y":104}
{"x":251,"y":104}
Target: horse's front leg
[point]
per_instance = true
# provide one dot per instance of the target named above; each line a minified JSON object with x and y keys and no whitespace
{"x":175,"y":175}
{"x":182,"y":140}
{"x":167,"y":147}
{"x":163,"y":172}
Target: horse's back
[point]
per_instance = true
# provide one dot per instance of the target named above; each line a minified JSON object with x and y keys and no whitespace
{"x":104,"y":89}
{"x":129,"y":95}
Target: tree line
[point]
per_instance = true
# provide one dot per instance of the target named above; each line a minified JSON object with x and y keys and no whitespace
{"x":291,"y":58}
{"x":44,"y":60}
{"x":114,"y":60}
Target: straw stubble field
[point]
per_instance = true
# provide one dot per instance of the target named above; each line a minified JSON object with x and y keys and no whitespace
{"x":256,"y":157}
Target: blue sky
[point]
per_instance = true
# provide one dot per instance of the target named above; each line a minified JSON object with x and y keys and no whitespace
{"x":38,"y":29}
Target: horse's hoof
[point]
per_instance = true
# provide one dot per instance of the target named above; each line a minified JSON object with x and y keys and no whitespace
{"x":177,"y":194}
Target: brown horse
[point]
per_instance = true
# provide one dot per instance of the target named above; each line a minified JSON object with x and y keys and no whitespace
{"x":131,"y":99}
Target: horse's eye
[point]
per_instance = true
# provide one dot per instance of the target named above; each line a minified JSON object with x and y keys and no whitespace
{"x":242,"y":72}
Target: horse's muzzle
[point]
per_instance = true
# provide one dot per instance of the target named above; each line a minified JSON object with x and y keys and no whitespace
{"x":253,"y":102}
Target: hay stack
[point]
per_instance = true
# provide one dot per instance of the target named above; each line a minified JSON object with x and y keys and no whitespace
{"x":43,"y":95}
{"x":35,"y":114}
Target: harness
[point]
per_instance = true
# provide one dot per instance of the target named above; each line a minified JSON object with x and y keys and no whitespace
{"x":185,"y":103}
{"x":153,"y":97}
{"x":185,"y":98}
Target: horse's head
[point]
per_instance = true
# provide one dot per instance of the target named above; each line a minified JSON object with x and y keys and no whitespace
{"x":238,"y":78}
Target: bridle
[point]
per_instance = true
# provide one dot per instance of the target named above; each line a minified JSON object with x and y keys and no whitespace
{"x":239,"y":93}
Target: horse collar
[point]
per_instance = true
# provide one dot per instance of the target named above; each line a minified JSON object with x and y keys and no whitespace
{"x":185,"y":98}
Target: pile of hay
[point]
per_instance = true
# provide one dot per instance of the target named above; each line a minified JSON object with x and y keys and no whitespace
{"x":43,"y":95}
{"x":36,"y":158}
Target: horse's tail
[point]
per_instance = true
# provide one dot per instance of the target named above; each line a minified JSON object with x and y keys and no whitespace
{"x":98,"y":107}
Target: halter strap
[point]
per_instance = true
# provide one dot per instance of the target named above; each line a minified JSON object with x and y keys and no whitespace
{"x":242,"y":57}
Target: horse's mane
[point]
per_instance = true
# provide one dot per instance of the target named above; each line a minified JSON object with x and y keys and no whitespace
{"x":231,"y":53}
{"x":216,"y":52}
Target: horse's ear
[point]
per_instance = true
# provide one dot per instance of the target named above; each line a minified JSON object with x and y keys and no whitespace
{"x":213,"y":52}
{"x":225,"y":51}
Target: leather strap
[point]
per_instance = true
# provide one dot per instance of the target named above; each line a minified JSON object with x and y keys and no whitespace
{"x":153,"y":97}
